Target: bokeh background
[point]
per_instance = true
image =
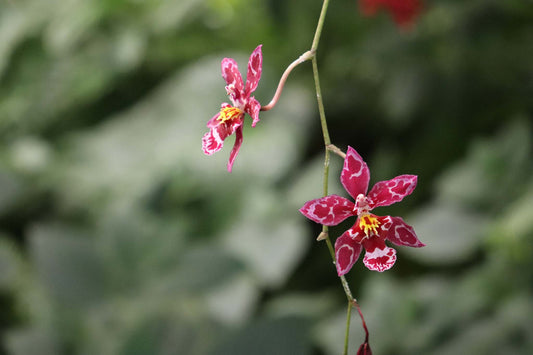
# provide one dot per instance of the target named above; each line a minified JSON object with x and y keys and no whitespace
{"x":118,"y":236}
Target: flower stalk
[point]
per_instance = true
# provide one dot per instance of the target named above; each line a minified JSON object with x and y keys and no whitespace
{"x":327,"y":143}
{"x":303,"y":58}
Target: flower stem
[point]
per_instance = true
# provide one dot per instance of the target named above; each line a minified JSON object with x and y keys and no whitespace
{"x":304,"y":57}
{"x":320,"y":25}
{"x":336,"y":150}
{"x":356,"y":305}
{"x":330,"y":147}
{"x":324,"y":235}
{"x":347,"y":332}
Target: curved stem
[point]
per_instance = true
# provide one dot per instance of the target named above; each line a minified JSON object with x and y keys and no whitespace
{"x":356,"y":305}
{"x":304,"y":57}
{"x":310,"y":54}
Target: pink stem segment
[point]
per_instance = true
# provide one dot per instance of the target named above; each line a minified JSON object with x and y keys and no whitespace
{"x":304,"y":57}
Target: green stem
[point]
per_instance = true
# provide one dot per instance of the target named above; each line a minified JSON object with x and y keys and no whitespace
{"x":347,"y":332}
{"x":327,"y":143}
{"x":320,"y":25}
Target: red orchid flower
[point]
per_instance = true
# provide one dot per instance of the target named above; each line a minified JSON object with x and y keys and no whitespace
{"x":231,"y":117}
{"x":403,"y":12}
{"x":369,"y":231}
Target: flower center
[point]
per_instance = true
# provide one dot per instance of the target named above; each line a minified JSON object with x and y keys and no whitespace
{"x":361,"y":205}
{"x":369,"y":223}
{"x":229,"y":113}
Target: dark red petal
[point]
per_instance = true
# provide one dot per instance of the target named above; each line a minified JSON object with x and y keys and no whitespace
{"x":233,"y":78}
{"x":236,"y":147}
{"x":355,"y":174}
{"x":378,"y":256}
{"x":255,"y":66}
{"x":385,"y":193}
{"x":330,"y":210}
{"x":400,"y":233}
{"x":347,"y":252}
{"x":252,"y":108}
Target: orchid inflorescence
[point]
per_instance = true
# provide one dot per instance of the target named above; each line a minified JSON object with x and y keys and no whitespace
{"x":369,"y":231}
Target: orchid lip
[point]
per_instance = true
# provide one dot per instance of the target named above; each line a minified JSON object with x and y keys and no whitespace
{"x":229,"y":114}
{"x":369,"y":224}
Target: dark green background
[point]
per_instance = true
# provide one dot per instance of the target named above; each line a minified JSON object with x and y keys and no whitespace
{"x":118,"y":236}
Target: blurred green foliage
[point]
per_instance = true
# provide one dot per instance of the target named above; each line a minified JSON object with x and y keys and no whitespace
{"x":118,"y":236}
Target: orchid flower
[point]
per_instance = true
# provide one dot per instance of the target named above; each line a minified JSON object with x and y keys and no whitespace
{"x":230,"y":118}
{"x":369,"y":231}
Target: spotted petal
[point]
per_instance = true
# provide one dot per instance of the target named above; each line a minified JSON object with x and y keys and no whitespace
{"x":233,"y":78}
{"x":385,"y":193}
{"x":211,"y":142}
{"x":330,"y":210}
{"x":378,"y":256}
{"x":347,"y":252}
{"x":355,"y":174}
{"x":400,"y":233}
{"x":255,"y":66}
{"x":252,"y":108}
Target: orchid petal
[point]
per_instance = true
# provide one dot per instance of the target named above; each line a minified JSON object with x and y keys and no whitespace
{"x":385,"y":193}
{"x":211,"y":142}
{"x":378,"y":256}
{"x":347,"y":251}
{"x":330,"y":210}
{"x":355,"y":174}
{"x":214,"y":122}
{"x":400,"y":233}
{"x":252,"y":108}
{"x":255,"y":67}
{"x":236,"y":147}
{"x":233,"y":78}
